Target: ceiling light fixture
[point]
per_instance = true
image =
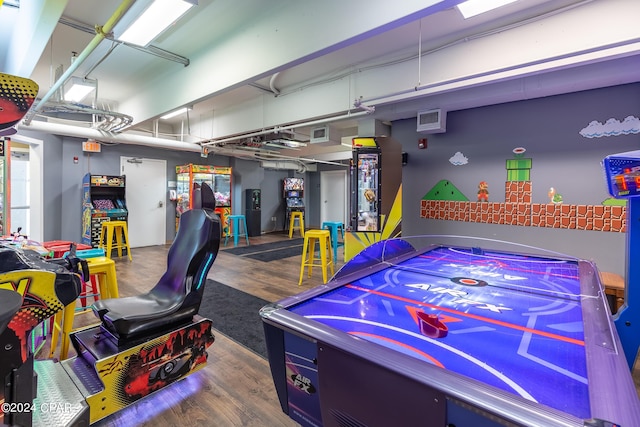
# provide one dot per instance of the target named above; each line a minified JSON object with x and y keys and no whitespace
{"x":476,"y":7}
{"x":175,"y":113}
{"x":79,"y":88}
{"x":156,"y":18}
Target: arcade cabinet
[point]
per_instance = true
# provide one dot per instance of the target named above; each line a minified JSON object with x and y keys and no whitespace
{"x":622,"y":173}
{"x":293,"y":193}
{"x":376,"y":193}
{"x":17,"y":95}
{"x":217,"y":177}
{"x":103,"y":199}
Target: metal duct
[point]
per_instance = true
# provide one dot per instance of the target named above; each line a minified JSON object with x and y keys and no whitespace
{"x":149,"y":141}
{"x":284,"y":165}
{"x":80,"y":132}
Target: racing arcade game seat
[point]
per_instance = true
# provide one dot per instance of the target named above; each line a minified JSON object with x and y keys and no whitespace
{"x":144,"y":344}
{"x":147,"y":342}
{"x":176,"y":298}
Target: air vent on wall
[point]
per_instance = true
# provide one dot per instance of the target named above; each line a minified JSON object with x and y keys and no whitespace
{"x":432,"y":121}
{"x":319,"y":134}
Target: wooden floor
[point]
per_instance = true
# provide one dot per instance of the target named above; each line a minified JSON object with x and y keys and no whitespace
{"x":235,"y":388}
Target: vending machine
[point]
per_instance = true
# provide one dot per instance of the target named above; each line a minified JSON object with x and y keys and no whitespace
{"x":293,"y":193}
{"x":367,"y":189}
{"x":376,"y":192}
{"x":253,"y":213}
{"x":103,"y":199}
{"x":217,"y":177}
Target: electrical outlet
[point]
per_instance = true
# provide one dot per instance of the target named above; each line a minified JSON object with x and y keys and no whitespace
{"x":273,"y":219}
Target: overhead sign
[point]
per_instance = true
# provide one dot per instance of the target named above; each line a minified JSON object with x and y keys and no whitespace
{"x":91,"y":146}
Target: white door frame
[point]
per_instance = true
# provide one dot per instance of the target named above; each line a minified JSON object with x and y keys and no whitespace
{"x":36,"y":184}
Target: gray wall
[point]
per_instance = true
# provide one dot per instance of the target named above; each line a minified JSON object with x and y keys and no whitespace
{"x":549,"y":130}
{"x":63,"y":182}
{"x":63,"y":179}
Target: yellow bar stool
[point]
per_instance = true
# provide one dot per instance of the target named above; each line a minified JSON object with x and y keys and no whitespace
{"x":105,"y":269}
{"x":323,"y":238}
{"x":292,"y":221}
{"x":117,"y":229}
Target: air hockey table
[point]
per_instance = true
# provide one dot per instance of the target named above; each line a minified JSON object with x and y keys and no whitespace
{"x":408,"y":333}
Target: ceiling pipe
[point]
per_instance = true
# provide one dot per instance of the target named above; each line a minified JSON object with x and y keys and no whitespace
{"x":288,"y":127}
{"x":150,"y":49}
{"x":101,"y":34}
{"x":149,"y":141}
{"x":82,"y":132}
{"x":272,"y":84}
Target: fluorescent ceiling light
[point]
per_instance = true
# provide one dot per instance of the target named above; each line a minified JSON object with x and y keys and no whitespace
{"x":175,"y":113}
{"x":156,"y":18}
{"x":78,"y":89}
{"x":476,"y":7}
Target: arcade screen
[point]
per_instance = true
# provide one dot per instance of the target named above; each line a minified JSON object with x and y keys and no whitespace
{"x":623,"y":174}
{"x":293,"y":184}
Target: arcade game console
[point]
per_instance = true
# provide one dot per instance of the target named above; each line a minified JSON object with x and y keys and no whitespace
{"x":143,"y":344}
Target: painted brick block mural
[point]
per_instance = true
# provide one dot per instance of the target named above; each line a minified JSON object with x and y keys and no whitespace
{"x":518,"y":210}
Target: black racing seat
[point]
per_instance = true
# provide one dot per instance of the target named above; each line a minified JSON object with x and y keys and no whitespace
{"x":176,"y":298}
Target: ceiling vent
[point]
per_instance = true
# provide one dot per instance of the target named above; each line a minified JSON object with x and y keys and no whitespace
{"x":432,"y":121}
{"x":319,"y":134}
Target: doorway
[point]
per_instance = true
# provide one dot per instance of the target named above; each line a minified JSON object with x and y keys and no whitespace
{"x":20,"y":204}
{"x":146,"y":194}
{"x":333,"y":196}
{"x":30,"y":208}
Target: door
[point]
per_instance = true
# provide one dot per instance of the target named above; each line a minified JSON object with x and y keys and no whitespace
{"x":146,"y":194}
{"x":333,"y":196}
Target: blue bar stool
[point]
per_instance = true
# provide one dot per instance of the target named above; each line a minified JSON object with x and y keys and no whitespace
{"x":236,"y":222}
{"x":333,"y":227}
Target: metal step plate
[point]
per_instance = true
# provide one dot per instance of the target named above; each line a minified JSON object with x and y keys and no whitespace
{"x":59,"y":402}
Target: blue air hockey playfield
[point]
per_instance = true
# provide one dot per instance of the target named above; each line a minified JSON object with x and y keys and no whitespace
{"x":411,"y":333}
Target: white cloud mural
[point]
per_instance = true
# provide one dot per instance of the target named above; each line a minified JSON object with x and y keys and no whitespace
{"x":611,"y":127}
{"x":458,"y":159}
